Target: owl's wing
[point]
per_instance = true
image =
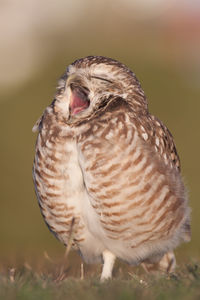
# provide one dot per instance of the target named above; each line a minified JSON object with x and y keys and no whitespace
{"x":159,"y":138}
{"x":162,"y":141}
{"x":126,"y":185}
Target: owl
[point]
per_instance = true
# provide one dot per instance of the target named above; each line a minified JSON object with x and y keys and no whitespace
{"x":106,"y":171}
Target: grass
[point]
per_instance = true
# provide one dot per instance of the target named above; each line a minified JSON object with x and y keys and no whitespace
{"x":50,"y":280}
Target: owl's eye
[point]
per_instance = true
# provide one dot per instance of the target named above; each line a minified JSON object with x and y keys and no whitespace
{"x":79,"y":99}
{"x":101,"y":78}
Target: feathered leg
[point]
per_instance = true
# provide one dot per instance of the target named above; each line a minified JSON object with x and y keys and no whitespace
{"x":166,"y":264}
{"x":108,"y":263}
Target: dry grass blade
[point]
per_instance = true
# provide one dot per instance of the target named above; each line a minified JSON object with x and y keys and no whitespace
{"x":46,"y":255}
{"x":27,"y":266}
{"x":82,"y":271}
{"x":12,"y":274}
{"x":138,"y":279}
{"x":70,"y":240}
{"x":61,"y":275}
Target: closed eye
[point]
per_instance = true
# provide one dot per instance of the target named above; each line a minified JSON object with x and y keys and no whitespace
{"x":100,"y":78}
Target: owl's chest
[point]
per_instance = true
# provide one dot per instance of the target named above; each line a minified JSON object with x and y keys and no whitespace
{"x":59,"y":183}
{"x":60,"y":161}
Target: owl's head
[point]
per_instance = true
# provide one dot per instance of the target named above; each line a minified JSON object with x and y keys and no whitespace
{"x":90,"y":84}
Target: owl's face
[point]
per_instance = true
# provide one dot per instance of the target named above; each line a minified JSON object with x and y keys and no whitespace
{"x":91,"y":84}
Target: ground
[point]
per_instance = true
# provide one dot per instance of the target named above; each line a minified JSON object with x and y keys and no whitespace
{"x":47,"y":279}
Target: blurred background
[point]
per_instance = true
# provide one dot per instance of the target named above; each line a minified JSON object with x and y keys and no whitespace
{"x":159,"y":40}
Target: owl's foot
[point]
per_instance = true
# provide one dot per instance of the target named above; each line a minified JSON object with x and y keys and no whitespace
{"x":108,"y":263}
{"x":167,"y":264}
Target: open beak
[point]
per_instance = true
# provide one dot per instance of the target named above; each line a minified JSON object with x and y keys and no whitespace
{"x":78,"y":101}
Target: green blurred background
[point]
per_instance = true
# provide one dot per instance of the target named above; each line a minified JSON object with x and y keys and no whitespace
{"x":159,"y":40}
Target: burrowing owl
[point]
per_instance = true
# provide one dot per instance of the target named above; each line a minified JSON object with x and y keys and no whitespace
{"x":107,"y":170}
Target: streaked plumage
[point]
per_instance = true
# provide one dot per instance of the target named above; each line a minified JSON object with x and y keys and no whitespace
{"x":105,"y":164}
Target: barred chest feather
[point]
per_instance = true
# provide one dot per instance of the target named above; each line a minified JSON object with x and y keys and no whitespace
{"x":58,"y":179}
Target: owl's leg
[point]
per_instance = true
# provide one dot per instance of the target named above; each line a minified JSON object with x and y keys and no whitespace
{"x":166,"y":264}
{"x":108,"y":263}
